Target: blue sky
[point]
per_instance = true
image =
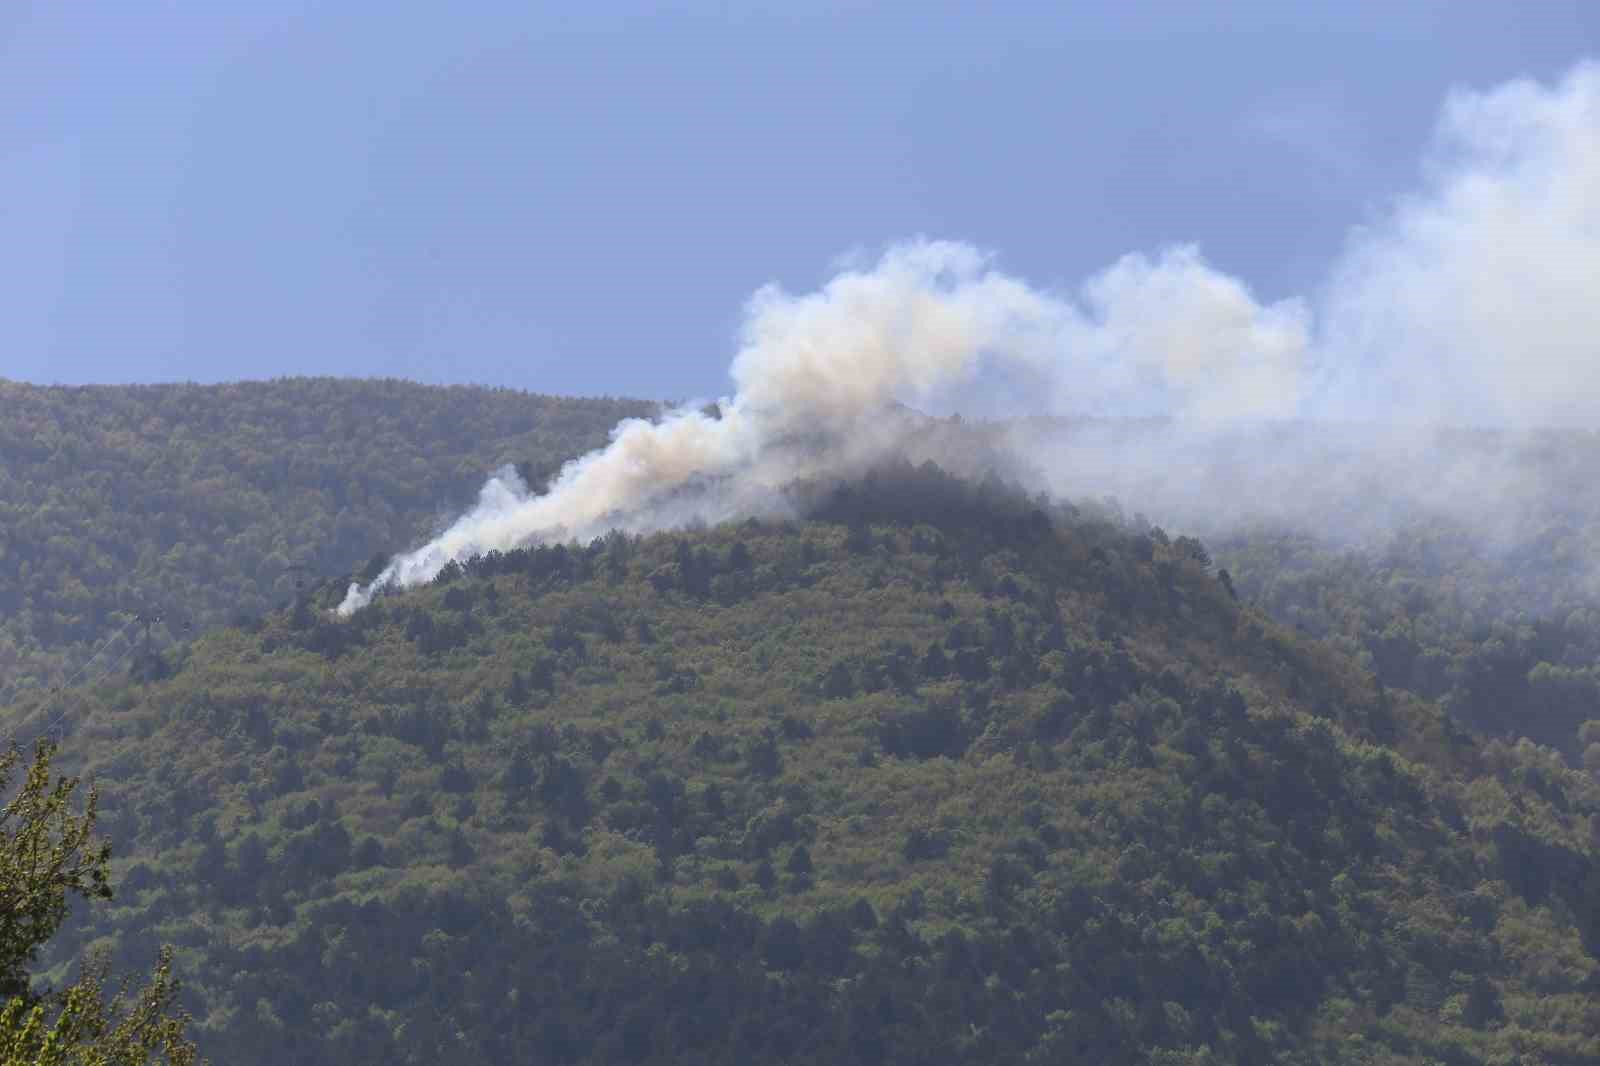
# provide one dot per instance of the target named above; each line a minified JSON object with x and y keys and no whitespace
{"x":527,"y":195}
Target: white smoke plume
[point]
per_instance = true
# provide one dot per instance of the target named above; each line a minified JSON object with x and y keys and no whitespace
{"x":1475,"y":299}
{"x":1478,"y":298}
{"x":817,"y":374}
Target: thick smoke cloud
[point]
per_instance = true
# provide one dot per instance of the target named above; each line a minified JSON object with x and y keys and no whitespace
{"x":1476,"y":299}
{"x":817,"y":376}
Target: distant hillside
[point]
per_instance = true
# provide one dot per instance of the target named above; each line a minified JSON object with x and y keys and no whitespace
{"x":940,"y":775}
{"x":1507,"y":638}
{"x":1460,"y":570}
{"x":1458,"y":564}
{"x":205,"y":502}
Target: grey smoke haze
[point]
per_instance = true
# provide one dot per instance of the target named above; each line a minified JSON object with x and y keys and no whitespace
{"x":1475,"y":300}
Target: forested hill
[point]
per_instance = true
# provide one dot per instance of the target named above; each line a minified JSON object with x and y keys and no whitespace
{"x":203,"y":502}
{"x":939,"y":775}
{"x":1507,"y":639}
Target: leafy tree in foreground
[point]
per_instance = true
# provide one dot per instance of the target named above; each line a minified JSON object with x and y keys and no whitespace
{"x":47,"y":851}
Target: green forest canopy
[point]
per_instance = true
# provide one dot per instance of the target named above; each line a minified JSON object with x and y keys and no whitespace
{"x":204,"y":503}
{"x":940,"y":772}
{"x":943,"y":767}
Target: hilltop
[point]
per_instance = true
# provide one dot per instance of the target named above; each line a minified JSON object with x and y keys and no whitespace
{"x":940,"y":773}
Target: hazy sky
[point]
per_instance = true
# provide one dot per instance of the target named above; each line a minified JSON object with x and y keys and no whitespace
{"x":581,"y":201}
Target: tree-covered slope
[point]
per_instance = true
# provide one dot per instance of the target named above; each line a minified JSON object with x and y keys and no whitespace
{"x":939,"y":775}
{"x":1506,"y":636}
{"x":201,"y":502}
{"x":1458,"y":564}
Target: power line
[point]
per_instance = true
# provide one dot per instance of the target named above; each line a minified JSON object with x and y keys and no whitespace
{"x":98,"y":651}
{"x":58,"y":692}
{"x":129,"y":624}
{"x":61,"y":715}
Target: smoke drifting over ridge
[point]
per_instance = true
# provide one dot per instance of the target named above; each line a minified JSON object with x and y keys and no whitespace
{"x":1474,"y":300}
